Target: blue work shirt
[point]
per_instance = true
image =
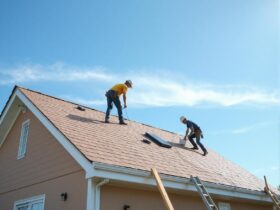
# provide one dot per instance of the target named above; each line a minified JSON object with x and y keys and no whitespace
{"x":192,"y":124}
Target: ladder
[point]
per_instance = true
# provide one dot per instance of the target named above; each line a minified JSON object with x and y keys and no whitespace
{"x":209,"y":203}
{"x":272,"y":195}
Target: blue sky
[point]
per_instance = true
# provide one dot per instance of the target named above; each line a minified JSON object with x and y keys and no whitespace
{"x":216,"y":62}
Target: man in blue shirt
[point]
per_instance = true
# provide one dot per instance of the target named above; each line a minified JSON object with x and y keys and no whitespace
{"x":195,"y":133}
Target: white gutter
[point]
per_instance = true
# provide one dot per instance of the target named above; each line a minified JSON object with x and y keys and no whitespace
{"x":144,"y":177}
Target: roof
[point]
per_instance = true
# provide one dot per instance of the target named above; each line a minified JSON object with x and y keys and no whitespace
{"x":120,"y":145}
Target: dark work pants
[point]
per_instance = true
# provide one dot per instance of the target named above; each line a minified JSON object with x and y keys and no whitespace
{"x":112,"y":97}
{"x":197,"y":135}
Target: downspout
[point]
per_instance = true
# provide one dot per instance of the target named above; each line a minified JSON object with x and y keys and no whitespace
{"x":90,"y":194}
{"x":97,"y":193}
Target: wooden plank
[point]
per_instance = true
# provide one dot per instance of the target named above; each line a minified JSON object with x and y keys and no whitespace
{"x":161,"y":188}
{"x":266,"y":185}
{"x":270,"y":193}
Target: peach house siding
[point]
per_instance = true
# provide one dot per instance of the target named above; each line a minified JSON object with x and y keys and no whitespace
{"x":46,"y":169}
{"x":74,"y":184}
{"x":248,"y":206}
{"x":114,"y":198}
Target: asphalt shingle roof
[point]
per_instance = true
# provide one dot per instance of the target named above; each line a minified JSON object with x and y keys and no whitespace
{"x":122,"y":145}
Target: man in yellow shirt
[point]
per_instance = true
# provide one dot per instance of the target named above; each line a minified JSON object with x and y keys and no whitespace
{"x":113,"y":97}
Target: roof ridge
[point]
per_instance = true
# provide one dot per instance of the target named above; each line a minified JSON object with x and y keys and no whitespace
{"x":67,"y":101}
{"x":54,"y":97}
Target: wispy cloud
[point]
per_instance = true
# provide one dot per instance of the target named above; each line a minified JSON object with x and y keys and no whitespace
{"x":150,"y":89}
{"x":158,"y":91}
{"x":55,"y":72}
{"x":252,"y":127}
{"x":245,"y":129}
{"x":269,"y":169}
{"x":84,"y":101}
{"x":242,"y":130}
{"x":272,"y":172}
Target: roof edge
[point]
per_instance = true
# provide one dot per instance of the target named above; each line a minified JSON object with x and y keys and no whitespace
{"x":4,"y":110}
{"x":137,"y":176}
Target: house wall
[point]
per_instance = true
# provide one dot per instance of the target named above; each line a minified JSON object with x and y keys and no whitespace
{"x":249,"y":206}
{"x":46,"y":169}
{"x":114,"y":198}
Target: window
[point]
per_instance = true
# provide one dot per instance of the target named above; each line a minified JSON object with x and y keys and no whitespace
{"x":23,"y":139}
{"x":34,"y":203}
{"x":224,"y":206}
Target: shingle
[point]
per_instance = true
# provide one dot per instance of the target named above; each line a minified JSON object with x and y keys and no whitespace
{"x":122,"y":145}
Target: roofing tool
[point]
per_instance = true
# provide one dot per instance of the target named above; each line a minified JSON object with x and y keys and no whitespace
{"x":146,"y":141}
{"x":125,"y":110}
{"x":182,"y":141}
{"x":80,"y":108}
{"x":209,"y":203}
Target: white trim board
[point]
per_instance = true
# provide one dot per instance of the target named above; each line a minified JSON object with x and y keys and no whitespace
{"x":7,"y":108}
{"x":136,"y":176}
{"x":10,"y":127}
{"x":9,"y":117}
{"x":21,"y":154}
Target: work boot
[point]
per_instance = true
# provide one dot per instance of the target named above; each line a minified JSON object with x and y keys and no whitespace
{"x":194,"y":148}
{"x":107,"y":121}
{"x":205,"y":153}
{"x":122,"y":123}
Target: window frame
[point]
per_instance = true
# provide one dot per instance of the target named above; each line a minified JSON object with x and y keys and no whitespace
{"x":23,"y":142}
{"x":224,"y":204}
{"x":30,"y":201}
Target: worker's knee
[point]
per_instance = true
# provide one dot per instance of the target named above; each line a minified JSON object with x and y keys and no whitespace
{"x":110,"y":106}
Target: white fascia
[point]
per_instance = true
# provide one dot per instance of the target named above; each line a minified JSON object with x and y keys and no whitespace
{"x":7,"y":108}
{"x":136,"y":176}
{"x":10,"y":126}
{"x":73,"y":151}
{"x":12,"y":119}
